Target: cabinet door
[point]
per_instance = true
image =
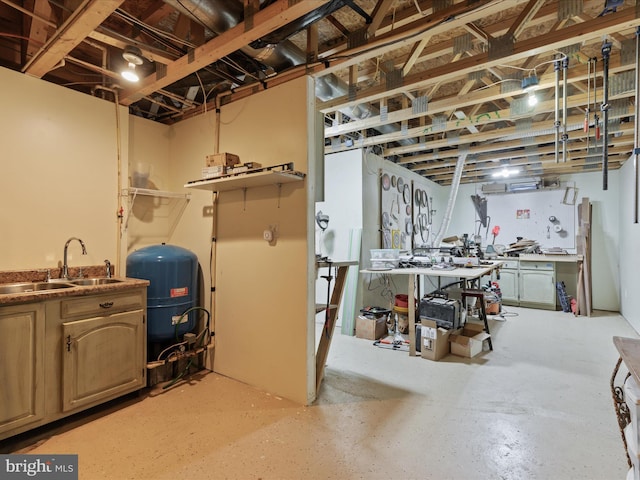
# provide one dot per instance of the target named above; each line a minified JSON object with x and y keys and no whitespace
{"x":509,"y":285}
{"x":538,"y":287}
{"x":103,"y":357}
{"x":21,"y":366}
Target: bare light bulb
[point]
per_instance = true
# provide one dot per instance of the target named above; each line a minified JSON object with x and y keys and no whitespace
{"x":130,"y":74}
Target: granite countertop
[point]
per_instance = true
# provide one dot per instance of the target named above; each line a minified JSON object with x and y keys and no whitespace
{"x":39,"y":275}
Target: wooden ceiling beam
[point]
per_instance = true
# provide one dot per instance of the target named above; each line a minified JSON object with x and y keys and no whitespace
{"x":378,"y":15}
{"x":38,"y":30}
{"x":574,"y":147}
{"x":463,"y":99}
{"x":415,"y":54}
{"x":86,"y":18}
{"x":341,"y":28}
{"x":265,"y":21}
{"x":120,"y":41}
{"x":181,"y":27}
{"x":623,"y":20}
{"x":157,"y":11}
{"x":524,"y":18}
{"x":440,"y":22}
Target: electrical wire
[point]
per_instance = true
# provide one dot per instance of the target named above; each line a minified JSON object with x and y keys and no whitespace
{"x":136,"y":21}
{"x":385,"y":285}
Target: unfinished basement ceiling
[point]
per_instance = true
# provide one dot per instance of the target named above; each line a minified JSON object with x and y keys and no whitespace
{"x":418,"y":82}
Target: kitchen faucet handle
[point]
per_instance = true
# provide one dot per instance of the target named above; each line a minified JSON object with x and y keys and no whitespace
{"x":48,"y":272}
{"x":107,"y":264}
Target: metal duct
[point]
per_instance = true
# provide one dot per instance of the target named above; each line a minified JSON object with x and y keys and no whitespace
{"x":221,"y":15}
{"x":453,"y":194}
{"x":301,"y":23}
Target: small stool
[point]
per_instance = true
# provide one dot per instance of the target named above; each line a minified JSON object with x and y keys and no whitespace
{"x":479,"y":296}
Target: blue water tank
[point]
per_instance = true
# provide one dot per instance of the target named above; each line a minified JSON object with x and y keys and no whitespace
{"x":173,"y":275}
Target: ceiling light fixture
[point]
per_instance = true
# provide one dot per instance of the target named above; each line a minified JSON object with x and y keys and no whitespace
{"x":506,"y":172}
{"x":133,"y":56}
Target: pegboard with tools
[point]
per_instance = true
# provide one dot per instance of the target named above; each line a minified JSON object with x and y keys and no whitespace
{"x":539,"y":215}
{"x":405,"y":212}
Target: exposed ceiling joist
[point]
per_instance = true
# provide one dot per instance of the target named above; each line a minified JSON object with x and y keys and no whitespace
{"x":81,"y":23}
{"x":265,"y":21}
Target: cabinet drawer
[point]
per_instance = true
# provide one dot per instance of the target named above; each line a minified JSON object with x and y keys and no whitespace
{"x":509,"y":264}
{"x":101,"y":304}
{"x":526,"y":265}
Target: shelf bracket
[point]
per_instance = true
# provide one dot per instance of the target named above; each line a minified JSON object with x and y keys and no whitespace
{"x":279,"y":193}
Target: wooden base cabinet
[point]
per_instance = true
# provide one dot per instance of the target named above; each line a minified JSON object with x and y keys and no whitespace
{"x":538,"y":285}
{"x":101,"y":358}
{"x":22,"y":401}
{"x":59,"y":357}
{"x":509,"y":286}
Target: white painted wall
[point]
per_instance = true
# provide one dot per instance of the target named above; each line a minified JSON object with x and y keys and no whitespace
{"x":605,"y":225}
{"x":59,"y":174}
{"x":628,"y":252}
{"x":60,"y":178}
{"x":264,"y":331}
{"x":150,"y":220}
{"x":341,"y":240}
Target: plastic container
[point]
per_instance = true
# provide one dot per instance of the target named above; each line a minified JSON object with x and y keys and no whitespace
{"x":384,"y":264}
{"x":402,"y":300}
{"x":385,"y":254}
{"x":173,"y":274}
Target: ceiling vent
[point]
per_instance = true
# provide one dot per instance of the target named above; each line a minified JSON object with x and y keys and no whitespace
{"x":494,"y":188}
{"x":523,"y":186}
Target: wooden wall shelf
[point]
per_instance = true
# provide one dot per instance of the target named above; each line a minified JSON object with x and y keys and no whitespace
{"x":246,"y":180}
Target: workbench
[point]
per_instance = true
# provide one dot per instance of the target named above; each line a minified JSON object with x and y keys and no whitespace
{"x":465,"y":274}
{"x":332,"y":310}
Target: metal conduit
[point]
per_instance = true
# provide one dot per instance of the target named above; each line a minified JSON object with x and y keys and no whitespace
{"x":606,"y":51}
{"x":556,"y":123}
{"x":565,"y":137}
{"x":636,"y":140}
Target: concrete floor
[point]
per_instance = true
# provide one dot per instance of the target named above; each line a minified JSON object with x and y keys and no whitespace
{"x":537,"y":407}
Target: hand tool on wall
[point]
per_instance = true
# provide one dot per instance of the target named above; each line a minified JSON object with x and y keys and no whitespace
{"x":495,"y":231}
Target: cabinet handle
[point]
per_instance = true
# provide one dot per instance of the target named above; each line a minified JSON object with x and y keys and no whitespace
{"x":106,"y":304}
{"x":68,"y":343}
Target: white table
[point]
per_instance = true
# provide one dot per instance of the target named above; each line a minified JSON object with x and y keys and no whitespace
{"x":464,"y":274}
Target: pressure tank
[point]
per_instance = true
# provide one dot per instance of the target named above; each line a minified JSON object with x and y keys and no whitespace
{"x":173,"y":275}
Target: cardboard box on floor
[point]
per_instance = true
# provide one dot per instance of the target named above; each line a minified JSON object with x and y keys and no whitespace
{"x":467,"y":341}
{"x":434,"y":341}
{"x":370,"y":328}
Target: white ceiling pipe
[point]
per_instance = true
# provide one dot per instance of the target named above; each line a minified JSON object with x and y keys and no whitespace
{"x":453,"y":194}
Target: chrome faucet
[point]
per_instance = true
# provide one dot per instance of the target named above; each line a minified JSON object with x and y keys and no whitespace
{"x":107,"y":264}
{"x":65,"y":266}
